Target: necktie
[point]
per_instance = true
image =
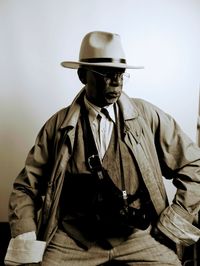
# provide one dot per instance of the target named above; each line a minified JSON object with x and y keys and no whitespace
{"x":105,"y":130}
{"x":106,"y":113}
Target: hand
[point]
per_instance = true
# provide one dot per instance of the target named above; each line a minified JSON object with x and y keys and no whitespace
{"x":163,"y":239}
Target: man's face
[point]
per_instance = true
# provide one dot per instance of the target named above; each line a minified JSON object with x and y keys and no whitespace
{"x":104,"y":85}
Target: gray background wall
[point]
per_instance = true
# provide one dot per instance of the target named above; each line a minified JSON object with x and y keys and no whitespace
{"x":36,"y":35}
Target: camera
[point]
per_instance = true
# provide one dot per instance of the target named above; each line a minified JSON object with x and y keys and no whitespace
{"x":138,"y":218}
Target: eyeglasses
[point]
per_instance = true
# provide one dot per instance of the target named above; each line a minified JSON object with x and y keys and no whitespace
{"x":121,"y":77}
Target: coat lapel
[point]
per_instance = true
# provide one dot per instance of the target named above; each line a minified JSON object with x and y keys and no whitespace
{"x":135,"y":139}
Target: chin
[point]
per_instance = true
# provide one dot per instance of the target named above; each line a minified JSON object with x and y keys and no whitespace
{"x":111,"y":101}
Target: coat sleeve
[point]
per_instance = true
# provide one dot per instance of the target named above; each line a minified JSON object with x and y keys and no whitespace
{"x":30,"y":185}
{"x":179,"y":159}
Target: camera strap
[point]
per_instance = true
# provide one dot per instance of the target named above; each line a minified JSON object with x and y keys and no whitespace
{"x":91,"y":153}
{"x":119,"y":139}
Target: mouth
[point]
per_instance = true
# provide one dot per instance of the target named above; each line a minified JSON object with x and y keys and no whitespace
{"x":113,"y":94}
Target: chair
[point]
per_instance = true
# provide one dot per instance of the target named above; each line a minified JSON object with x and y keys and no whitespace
{"x":4,"y":240}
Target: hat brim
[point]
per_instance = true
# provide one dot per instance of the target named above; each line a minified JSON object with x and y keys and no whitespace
{"x":76,"y":65}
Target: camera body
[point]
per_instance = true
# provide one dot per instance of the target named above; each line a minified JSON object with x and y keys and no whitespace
{"x":138,"y":218}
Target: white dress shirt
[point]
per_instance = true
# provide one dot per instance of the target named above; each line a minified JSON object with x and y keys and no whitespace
{"x":101,"y":125}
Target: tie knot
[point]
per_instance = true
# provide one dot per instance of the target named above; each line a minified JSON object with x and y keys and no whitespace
{"x":105,"y":112}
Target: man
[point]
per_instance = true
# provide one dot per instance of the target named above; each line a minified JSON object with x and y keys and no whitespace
{"x":95,"y":175}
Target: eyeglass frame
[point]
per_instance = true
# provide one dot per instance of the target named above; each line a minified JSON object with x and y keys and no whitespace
{"x":106,"y":78}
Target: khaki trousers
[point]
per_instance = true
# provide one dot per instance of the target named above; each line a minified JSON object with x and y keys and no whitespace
{"x":139,"y":249}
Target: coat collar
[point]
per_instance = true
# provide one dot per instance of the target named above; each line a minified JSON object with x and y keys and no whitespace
{"x":74,"y":111}
{"x":128,"y":107}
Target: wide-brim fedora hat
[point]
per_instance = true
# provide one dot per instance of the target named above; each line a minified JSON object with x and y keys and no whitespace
{"x":103,"y":49}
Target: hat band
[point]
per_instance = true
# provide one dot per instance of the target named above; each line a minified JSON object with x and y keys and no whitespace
{"x":103,"y":60}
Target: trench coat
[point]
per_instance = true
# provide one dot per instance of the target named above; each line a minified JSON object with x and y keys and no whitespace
{"x":161,"y":150}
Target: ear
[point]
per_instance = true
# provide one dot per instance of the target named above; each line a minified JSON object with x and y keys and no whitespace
{"x":82,"y":75}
